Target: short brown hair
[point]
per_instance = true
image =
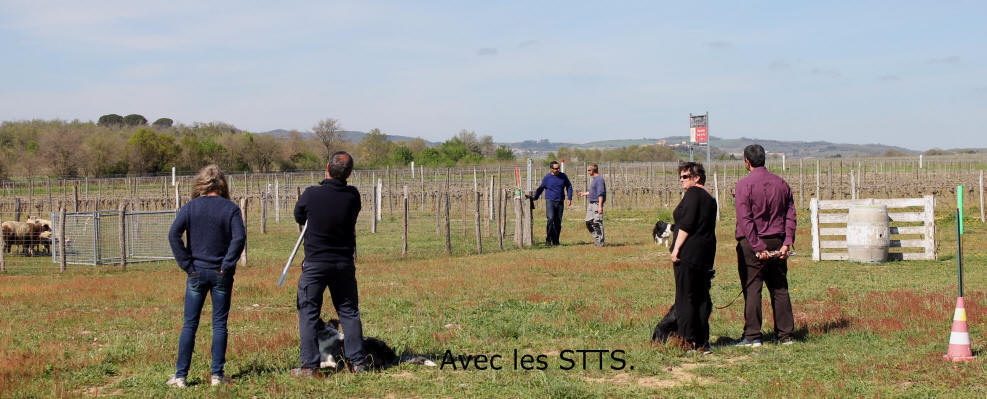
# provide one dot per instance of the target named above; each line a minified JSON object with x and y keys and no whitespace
{"x":694,"y":169}
{"x":210,"y":179}
{"x":594,"y":167}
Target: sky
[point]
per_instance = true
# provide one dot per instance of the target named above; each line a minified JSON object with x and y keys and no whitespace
{"x":911,"y":74}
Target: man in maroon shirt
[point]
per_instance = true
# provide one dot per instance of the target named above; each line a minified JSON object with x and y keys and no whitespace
{"x":765,"y":232}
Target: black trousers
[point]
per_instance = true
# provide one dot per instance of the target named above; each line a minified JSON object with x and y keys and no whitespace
{"x":774,"y":274}
{"x":340,"y":278}
{"x":692,"y":303}
{"x":553,"y":211}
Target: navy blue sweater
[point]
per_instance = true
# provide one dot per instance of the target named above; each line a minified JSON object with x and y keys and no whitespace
{"x":554,"y":187}
{"x":215,"y":234}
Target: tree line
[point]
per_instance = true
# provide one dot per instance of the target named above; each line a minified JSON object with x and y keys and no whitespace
{"x":119,"y":145}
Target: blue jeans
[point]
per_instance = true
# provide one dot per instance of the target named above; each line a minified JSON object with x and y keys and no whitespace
{"x":219,"y":286}
{"x":553,"y":210}
{"x":340,"y":278}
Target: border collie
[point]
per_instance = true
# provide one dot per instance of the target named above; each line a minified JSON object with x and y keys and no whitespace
{"x":662,"y":233}
{"x":379,"y":355}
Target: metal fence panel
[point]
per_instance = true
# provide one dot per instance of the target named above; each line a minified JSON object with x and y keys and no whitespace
{"x":93,"y":238}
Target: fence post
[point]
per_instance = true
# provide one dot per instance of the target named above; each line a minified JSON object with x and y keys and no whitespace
{"x":929,"y":222}
{"x":716,"y":194}
{"x":178,"y":201}
{"x":448,"y":228}
{"x":75,"y":197}
{"x":48,"y":186}
{"x":404,"y":222}
{"x":374,"y":209}
{"x":17,"y":209}
{"x":61,"y":239}
{"x":814,"y":218}
{"x":243,"y":213}
{"x":527,"y":231}
{"x":476,"y":218}
{"x":123,"y":236}
{"x":982,"y":196}
{"x":277,"y":201}
{"x":500,"y":218}
{"x":518,"y":224}
{"x":263,"y":212}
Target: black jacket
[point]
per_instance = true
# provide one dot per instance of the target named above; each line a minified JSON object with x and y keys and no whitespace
{"x":331,"y":209}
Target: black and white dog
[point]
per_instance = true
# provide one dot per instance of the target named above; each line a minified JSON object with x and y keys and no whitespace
{"x":379,"y":355}
{"x":662,"y":233}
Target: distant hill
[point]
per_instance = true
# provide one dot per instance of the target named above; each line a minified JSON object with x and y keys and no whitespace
{"x":817,"y":149}
{"x":802,"y":149}
{"x":348,"y":135}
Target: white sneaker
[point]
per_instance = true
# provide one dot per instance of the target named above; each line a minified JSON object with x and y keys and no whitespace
{"x":177,"y":382}
{"x":217,"y":380}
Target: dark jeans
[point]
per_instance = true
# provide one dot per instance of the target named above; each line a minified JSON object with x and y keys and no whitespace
{"x":775,"y":275}
{"x":340,"y":278}
{"x":692,"y":303}
{"x":553,"y":210}
{"x":219,"y":286}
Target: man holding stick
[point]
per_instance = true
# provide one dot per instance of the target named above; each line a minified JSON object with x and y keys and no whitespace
{"x":765,"y":232}
{"x":555,"y":185}
{"x":330,"y":211}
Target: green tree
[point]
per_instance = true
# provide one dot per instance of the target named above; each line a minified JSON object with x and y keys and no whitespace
{"x":134,"y":120}
{"x":376,"y":148}
{"x":110,"y":120}
{"x":163,"y":123}
{"x":151,"y":152}
{"x":402,"y":155}
{"x":504,"y":153}
{"x":429,"y":157}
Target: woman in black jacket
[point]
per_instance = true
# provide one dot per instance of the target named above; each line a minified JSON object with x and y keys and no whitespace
{"x":693,"y":252}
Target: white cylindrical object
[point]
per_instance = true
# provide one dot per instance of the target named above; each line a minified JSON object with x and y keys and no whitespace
{"x":412,"y":169}
{"x":380,"y":187}
{"x":868,"y":233}
{"x":172,"y":175}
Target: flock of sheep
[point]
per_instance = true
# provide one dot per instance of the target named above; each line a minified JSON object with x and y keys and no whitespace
{"x":33,"y":235}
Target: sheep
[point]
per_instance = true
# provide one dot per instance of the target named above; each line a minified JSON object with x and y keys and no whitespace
{"x":24,"y":234}
{"x":44,"y":239}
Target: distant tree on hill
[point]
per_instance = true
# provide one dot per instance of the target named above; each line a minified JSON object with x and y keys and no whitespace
{"x":135,"y":120}
{"x":503,"y":153}
{"x":328,"y":133}
{"x":110,"y":120}
{"x":376,"y":148}
{"x":163,"y":123}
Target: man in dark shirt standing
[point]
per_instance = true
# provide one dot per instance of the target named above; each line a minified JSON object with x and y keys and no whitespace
{"x":554,"y":184}
{"x":331,"y":210}
{"x":765,"y":225}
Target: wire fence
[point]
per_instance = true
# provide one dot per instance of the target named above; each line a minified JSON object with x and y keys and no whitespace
{"x":93,"y":238}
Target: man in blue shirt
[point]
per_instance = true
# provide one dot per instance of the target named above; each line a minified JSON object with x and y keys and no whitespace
{"x":594,"y":211}
{"x":554,"y":185}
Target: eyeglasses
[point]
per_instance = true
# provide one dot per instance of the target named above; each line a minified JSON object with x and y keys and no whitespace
{"x":555,"y":168}
{"x":685,"y":177}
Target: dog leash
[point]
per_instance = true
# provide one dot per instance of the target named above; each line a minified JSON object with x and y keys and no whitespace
{"x":771,"y":254}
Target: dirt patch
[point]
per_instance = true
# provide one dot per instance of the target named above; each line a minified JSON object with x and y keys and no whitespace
{"x":682,"y":374}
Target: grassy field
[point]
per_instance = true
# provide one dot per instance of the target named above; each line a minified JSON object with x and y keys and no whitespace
{"x":863,"y":330}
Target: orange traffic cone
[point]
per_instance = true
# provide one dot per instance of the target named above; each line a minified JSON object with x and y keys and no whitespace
{"x":959,"y":338}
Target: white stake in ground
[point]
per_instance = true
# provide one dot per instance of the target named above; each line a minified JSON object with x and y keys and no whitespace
{"x":284,"y":273}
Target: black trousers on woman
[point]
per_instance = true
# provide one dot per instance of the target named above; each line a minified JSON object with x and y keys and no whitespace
{"x":692,"y":302}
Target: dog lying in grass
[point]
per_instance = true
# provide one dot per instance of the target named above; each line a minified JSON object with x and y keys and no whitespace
{"x":379,"y":355}
{"x":662,"y":233}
